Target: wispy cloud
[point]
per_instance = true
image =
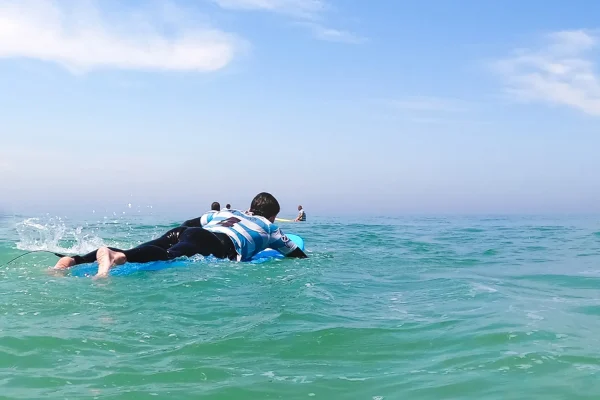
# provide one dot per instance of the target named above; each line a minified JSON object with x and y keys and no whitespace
{"x":298,"y":8}
{"x":77,"y":36}
{"x":562,"y":71}
{"x":311,"y":14}
{"x":334,"y":35}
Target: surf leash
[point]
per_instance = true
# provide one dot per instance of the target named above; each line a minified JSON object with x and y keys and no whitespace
{"x":33,"y":251}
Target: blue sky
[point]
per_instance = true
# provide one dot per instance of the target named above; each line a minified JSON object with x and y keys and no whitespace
{"x":344,"y":106}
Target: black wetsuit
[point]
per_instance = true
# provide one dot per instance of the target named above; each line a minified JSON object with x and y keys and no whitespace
{"x":302,"y":217}
{"x":181,"y":241}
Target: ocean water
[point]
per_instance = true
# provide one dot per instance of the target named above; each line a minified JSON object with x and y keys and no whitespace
{"x":384,"y":308}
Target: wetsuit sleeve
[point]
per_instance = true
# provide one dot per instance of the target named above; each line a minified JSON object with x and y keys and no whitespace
{"x":281,"y":243}
{"x":199,"y":222}
{"x":192,"y":223}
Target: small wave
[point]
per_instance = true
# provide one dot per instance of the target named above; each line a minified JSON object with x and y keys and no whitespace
{"x":471,"y":230}
{"x":549,"y":228}
{"x":535,"y":248}
{"x":481,"y":288}
{"x":54,"y":235}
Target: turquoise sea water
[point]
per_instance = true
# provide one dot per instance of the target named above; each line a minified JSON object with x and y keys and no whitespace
{"x":384,"y":308}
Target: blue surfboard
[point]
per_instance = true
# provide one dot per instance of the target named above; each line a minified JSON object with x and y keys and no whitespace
{"x":130,"y":268}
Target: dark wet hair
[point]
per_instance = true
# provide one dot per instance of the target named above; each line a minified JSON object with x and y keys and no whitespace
{"x":227,"y":205}
{"x":215,"y":206}
{"x":265,"y":204}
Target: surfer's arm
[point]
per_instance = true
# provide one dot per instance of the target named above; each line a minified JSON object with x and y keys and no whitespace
{"x":192,"y":223}
{"x":200,"y":221}
{"x":297,"y":253}
{"x":284,"y":245}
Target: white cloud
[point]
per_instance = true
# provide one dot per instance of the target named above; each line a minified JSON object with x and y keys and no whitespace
{"x":76,"y":36}
{"x":310,"y":13}
{"x":562,"y":71}
{"x":298,"y":8}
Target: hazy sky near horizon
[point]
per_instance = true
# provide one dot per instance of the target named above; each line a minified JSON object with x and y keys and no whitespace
{"x":343,"y":106}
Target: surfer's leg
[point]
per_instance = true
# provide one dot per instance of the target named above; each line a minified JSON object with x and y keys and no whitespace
{"x":192,"y":241}
{"x":164,"y":242}
{"x":144,"y":254}
{"x":108,"y":258}
{"x":167,"y":240}
{"x":198,"y":241}
{"x":70,"y":261}
{"x":64,"y":263}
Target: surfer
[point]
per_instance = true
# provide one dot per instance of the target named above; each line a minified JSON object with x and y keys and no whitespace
{"x":301,"y":215}
{"x":233,"y":234}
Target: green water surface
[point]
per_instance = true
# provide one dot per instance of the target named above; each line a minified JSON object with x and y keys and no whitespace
{"x":384,"y":308}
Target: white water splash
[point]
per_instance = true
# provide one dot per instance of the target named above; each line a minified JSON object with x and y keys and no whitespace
{"x":54,"y":235}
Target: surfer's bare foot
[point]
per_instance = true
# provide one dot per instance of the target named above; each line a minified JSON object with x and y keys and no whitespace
{"x":64,"y":263}
{"x":107,"y":259}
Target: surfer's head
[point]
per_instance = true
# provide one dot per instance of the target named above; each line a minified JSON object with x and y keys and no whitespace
{"x":215,"y":206}
{"x":299,"y":208}
{"x":265,"y":205}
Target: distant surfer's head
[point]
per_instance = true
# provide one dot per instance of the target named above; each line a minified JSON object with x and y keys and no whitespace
{"x":299,"y":208}
{"x":215,"y":206}
{"x":228,"y":206}
{"x":265,"y":205}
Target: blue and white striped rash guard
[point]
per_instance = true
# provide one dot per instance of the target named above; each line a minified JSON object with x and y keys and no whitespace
{"x":205,"y":218}
{"x":249,"y":233}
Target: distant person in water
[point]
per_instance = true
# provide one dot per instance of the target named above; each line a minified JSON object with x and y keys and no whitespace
{"x":301,"y":215}
{"x":227,"y":206}
{"x":233,"y":234}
